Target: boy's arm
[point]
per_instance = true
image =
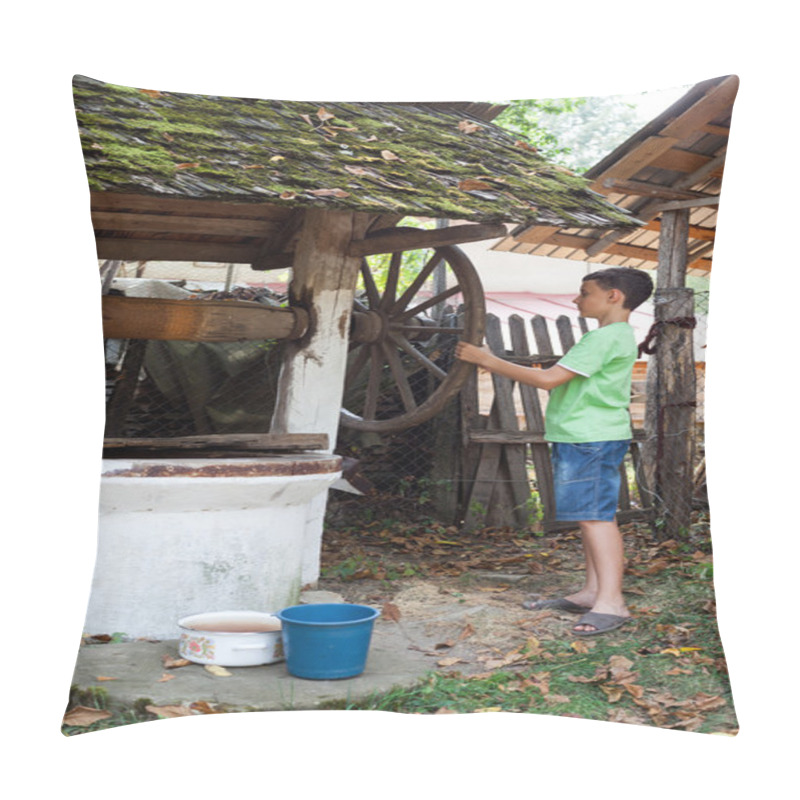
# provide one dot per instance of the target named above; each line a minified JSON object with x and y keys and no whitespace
{"x":532,"y":376}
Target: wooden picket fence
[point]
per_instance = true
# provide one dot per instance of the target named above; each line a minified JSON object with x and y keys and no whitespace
{"x":502,"y":448}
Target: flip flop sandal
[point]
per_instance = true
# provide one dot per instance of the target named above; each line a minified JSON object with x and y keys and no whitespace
{"x":559,"y":604}
{"x":603,"y":623}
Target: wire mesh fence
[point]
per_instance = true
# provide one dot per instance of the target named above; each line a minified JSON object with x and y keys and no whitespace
{"x":164,"y":389}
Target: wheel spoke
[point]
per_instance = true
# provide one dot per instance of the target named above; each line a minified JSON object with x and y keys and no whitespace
{"x":390,"y":292}
{"x":424,"y":329}
{"x":373,"y":296}
{"x":373,"y":385}
{"x":433,"y":301}
{"x":417,"y":283}
{"x":357,"y":365}
{"x":396,"y":366}
{"x":405,"y":345}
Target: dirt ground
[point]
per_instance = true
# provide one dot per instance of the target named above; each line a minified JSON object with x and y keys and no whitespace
{"x":468,"y":587}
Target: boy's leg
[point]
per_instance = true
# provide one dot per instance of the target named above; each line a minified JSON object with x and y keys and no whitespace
{"x":605,"y":563}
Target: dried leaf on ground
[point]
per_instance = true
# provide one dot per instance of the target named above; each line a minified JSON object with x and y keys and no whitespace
{"x":202,"y":707}
{"x":81,"y":716}
{"x":106,"y":678}
{"x":445,"y":711}
{"x":220,"y":672}
{"x":170,"y":662}
{"x":448,"y":662}
{"x":391,"y":612}
{"x":169,"y":712}
{"x":166,"y":677}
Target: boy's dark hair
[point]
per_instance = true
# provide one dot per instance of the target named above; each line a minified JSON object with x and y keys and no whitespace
{"x":635,"y":284}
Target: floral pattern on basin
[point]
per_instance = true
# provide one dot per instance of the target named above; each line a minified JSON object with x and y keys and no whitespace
{"x":196,"y":647}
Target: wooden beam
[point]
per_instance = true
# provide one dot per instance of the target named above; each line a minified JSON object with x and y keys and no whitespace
{"x":641,"y":156}
{"x":198,"y":320}
{"x":717,"y":101}
{"x":695,"y":231}
{"x":273,"y":252}
{"x":651,"y":209}
{"x":678,"y":160}
{"x":171,"y":250}
{"x":533,"y":234}
{"x":649,"y":189}
{"x":676,"y":205}
{"x":159,"y":204}
{"x":396,"y":240}
{"x":164,"y":223}
{"x":243,"y":441}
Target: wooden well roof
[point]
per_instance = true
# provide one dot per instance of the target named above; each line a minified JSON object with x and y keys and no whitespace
{"x":676,"y":160}
{"x":203,"y":178}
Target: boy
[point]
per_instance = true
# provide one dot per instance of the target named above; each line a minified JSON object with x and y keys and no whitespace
{"x":588,"y":424}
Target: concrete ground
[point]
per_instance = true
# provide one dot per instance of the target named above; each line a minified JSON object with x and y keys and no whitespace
{"x":397,"y":657}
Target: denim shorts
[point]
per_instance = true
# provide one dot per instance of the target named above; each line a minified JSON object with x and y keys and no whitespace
{"x":587,"y":479}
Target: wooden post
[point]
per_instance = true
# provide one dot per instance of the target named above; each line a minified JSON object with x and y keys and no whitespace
{"x":669,"y":417}
{"x":324,"y":280}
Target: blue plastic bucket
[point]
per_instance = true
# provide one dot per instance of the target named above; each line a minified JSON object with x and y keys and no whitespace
{"x":326,"y":641}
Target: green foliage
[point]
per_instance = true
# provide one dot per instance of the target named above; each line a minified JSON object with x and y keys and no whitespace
{"x":528,"y":119}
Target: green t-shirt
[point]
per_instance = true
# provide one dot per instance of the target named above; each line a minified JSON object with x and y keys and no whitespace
{"x":593,"y":406}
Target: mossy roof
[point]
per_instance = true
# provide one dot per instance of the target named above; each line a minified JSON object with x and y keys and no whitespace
{"x":408,"y":159}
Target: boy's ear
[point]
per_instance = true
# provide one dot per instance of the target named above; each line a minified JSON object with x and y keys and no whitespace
{"x":617,"y":296}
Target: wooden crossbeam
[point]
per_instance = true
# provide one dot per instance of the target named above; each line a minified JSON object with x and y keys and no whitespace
{"x":717,"y":101}
{"x":695,"y":231}
{"x":396,"y":240}
{"x":676,"y":205}
{"x":164,"y":223}
{"x":170,"y":250}
{"x":649,"y":189}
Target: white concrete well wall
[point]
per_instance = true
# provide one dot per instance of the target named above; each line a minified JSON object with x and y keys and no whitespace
{"x":183,"y":536}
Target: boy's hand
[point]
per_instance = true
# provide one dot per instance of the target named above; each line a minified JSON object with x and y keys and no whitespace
{"x":472,"y":354}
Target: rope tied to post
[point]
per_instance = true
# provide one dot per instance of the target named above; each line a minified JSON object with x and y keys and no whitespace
{"x":647,"y":346}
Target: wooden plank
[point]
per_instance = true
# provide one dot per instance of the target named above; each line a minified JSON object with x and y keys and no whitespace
{"x":650,"y":189}
{"x":164,"y":223}
{"x":677,"y":160}
{"x":514,"y":455}
{"x":565,"y":333}
{"x":160,"y":204}
{"x":499,"y":436}
{"x":641,"y":156}
{"x":482,"y":486}
{"x":675,"y":205}
{"x":396,"y":240}
{"x":695,"y":231}
{"x":533,"y":234}
{"x":198,"y":320}
{"x":170,"y":250}
{"x":243,"y":441}
{"x":716,"y":102}
{"x":542,"y":335}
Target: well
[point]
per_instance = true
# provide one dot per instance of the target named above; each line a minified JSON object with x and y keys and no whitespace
{"x":183,"y":536}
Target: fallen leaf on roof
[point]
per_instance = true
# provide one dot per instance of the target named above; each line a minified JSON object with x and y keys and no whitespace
{"x":465,"y":126}
{"x":82,"y":716}
{"x":252,"y":166}
{"x":472,"y":185}
{"x":525,"y":146}
{"x":188,"y":165}
{"x":329,"y":193}
{"x":388,"y":155}
{"x":323,"y":114}
{"x":288,"y":195}
{"x":151,"y":92}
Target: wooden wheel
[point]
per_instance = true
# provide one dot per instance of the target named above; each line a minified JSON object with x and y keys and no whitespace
{"x":401,"y":370}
